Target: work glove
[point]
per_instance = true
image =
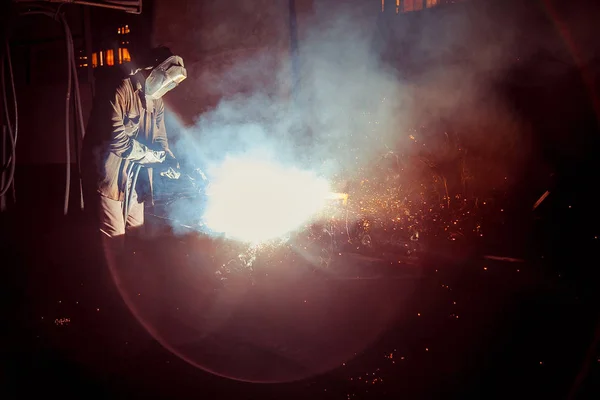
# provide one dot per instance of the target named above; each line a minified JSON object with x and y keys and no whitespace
{"x":172,"y":166}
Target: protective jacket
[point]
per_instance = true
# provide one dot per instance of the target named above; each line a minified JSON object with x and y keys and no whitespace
{"x":137,"y":128}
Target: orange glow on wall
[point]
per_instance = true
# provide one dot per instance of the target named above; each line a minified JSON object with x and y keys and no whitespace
{"x":123,"y":30}
{"x":126,"y":55}
{"x":101,"y":58}
{"x":110,"y":57}
{"x":94,"y":60}
{"x":403,"y":6}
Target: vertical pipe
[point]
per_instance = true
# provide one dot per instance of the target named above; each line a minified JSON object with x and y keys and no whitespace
{"x":293,"y":21}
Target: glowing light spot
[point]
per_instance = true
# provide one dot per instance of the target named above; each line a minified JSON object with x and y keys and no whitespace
{"x":253,"y":200}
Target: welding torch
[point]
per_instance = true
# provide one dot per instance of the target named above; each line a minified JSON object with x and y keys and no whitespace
{"x":338,"y":196}
{"x":133,"y":172}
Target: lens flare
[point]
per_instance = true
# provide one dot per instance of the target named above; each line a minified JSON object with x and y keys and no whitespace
{"x":253,"y":200}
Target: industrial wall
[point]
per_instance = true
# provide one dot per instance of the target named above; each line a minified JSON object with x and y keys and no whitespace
{"x":39,"y":60}
{"x":214,"y":38}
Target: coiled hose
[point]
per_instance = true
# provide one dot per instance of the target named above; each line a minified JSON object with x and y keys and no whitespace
{"x":12,"y":134}
{"x":71,"y":76}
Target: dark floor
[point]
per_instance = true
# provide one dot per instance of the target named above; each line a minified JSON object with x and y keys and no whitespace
{"x":455,"y":325}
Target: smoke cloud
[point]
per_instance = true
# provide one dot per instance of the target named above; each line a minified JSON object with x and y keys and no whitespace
{"x":366,"y":88}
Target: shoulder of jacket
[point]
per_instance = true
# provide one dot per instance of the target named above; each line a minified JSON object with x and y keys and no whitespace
{"x":125,"y":91}
{"x":126,"y":84}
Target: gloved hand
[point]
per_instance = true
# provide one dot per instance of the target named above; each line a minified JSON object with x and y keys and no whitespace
{"x":172,"y":166}
{"x":170,"y":173}
{"x":153,"y":157}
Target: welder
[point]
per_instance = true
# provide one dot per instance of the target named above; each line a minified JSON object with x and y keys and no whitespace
{"x":127,"y":139}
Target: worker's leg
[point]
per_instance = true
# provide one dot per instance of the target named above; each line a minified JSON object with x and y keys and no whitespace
{"x":112,"y":228}
{"x":135,"y":219}
{"x":134,"y":225}
{"x":111,"y":218}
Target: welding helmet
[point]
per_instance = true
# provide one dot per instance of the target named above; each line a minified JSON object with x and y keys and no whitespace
{"x":164,"y":77}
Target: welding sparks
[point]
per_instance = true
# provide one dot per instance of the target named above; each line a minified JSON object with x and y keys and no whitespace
{"x":254,"y":200}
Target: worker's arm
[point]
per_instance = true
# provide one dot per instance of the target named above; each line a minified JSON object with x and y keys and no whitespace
{"x":122,"y":142}
{"x":160,"y":137}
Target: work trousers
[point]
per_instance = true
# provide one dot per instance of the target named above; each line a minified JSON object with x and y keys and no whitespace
{"x":114,"y":227}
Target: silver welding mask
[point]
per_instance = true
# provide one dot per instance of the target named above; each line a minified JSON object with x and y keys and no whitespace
{"x":165,"y":77}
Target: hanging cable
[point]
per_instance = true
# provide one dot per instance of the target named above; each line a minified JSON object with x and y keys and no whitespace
{"x":12,"y":84}
{"x":67,"y":132}
{"x":71,"y":75}
{"x":78,"y":107}
{"x":11,"y":163}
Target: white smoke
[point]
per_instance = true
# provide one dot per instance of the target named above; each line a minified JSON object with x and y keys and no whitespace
{"x":350,"y":106}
